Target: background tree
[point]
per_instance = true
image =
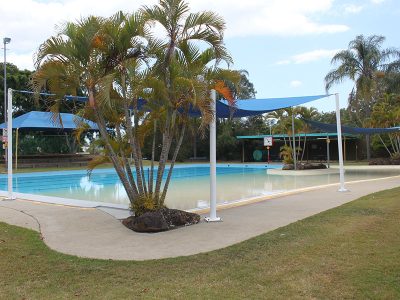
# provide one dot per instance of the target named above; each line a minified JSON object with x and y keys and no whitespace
{"x":18,"y":80}
{"x":362,"y":62}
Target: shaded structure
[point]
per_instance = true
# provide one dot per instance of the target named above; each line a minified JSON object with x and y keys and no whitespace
{"x":40,"y":120}
{"x":351,"y":130}
{"x":321,"y":147}
{"x":44,"y":121}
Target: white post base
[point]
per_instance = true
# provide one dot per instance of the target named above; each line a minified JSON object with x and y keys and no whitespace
{"x":209,"y":219}
{"x":343,"y":190}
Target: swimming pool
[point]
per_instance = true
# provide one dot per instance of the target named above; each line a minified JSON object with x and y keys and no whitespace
{"x":189,"y":188}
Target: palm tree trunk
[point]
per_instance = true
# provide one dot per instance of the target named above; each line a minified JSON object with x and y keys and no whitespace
{"x":391,"y":142}
{"x":304,"y":146}
{"x":178,"y":146}
{"x":383,"y":143}
{"x":167,"y":140}
{"x":368,"y":147}
{"x":131,"y":191}
{"x":132,"y":137}
{"x":153,"y":150}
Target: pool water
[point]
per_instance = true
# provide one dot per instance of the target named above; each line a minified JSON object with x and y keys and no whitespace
{"x":189,"y":187}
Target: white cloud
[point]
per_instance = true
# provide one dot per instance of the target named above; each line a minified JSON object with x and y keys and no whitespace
{"x":314,"y":55}
{"x":23,"y":61}
{"x":352,"y":8}
{"x":310,"y":56}
{"x":295,"y":83}
{"x":30,"y":22}
{"x":273,"y":17}
{"x":377,"y":1}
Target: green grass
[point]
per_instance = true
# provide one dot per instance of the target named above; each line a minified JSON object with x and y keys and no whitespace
{"x":352,"y":251}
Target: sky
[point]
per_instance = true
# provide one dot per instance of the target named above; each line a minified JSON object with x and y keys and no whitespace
{"x":285,"y":45}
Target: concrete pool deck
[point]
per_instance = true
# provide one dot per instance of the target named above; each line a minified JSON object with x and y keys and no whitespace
{"x":93,"y":233}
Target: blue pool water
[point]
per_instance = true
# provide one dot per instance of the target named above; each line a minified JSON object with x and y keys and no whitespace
{"x":45,"y":182}
{"x":189,"y":187}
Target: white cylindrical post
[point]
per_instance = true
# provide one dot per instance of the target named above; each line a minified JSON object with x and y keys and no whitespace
{"x":9,"y":146}
{"x":294,"y":143}
{"x":213,"y":161}
{"x":340,"y":149}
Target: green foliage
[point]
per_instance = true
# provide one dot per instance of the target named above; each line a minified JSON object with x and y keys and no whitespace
{"x":286,"y":154}
{"x":142,"y":204}
{"x":18,"y":80}
{"x":363,"y":62}
{"x":36,"y":143}
{"x":226,"y":141}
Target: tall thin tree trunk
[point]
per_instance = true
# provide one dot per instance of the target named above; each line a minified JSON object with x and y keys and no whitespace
{"x":178,"y":146}
{"x":304,"y":146}
{"x":130,"y":190}
{"x":384,"y":145}
{"x":153,"y":150}
{"x":167,"y":140}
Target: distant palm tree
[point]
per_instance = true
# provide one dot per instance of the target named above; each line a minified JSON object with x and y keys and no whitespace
{"x":362,"y":62}
{"x":307,"y":114}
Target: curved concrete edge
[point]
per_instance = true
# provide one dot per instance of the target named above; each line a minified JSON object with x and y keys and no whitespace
{"x":18,"y":218}
{"x":91,"y":233}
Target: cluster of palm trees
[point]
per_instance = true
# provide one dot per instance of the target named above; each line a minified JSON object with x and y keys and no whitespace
{"x":284,"y":124}
{"x":142,"y":73}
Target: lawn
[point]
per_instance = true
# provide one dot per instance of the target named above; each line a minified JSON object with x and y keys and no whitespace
{"x":352,"y":251}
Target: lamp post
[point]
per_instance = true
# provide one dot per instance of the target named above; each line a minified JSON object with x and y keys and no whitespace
{"x":6,"y":41}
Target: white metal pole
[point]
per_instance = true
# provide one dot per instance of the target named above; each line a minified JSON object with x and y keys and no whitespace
{"x":340,"y":149}
{"x":5,"y":81}
{"x":9,"y":147}
{"x":213,"y":162}
{"x":294,"y":142}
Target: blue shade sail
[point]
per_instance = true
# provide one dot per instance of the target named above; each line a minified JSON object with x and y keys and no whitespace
{"x":40,"y":120}
{"x":253,"y":107}
{"x":352,"y":130}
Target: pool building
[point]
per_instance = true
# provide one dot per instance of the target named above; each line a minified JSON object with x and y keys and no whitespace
{"x":321,"y":147}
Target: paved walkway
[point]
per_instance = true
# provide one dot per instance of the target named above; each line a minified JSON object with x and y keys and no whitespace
{"x":89,"y":232}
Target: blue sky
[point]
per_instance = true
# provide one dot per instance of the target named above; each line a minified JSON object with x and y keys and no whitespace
{"x":285,"y":45}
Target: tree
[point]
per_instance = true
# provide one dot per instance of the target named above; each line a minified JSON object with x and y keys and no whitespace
{"x":307,"y":114}
{"x":363,"y":62}
{"x":386,"y":113}
{"x":18,"y":80}
{"x":125,"y":71}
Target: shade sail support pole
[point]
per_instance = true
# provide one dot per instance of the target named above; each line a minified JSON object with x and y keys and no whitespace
{"x":294,"y":143}
{"x":340,"y":147}
{"x":9,"y":147}
{"x":213,"y":161}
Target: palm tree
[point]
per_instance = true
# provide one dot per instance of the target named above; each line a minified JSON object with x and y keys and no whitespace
{"x":363,"y":63}
{"x":307,"y":114}
{"x":92,"y":57}
{"x":115,"y":62}
{"x":179,"y":64}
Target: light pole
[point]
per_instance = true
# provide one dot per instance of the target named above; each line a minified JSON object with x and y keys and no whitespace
{"x":6,"y":41}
